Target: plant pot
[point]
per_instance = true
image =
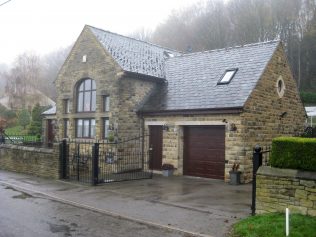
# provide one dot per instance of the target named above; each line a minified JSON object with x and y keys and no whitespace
{"x":234,"y":177}
{"x":167,"y":173}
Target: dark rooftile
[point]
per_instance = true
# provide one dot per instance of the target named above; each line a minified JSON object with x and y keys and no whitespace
{"x":134,"y":55}
{"x":192,"y":78}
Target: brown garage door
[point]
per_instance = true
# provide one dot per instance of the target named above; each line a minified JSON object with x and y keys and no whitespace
{"x":204,"y":151}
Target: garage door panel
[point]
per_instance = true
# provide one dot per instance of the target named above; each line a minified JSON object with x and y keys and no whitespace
{"x":204,"y":151}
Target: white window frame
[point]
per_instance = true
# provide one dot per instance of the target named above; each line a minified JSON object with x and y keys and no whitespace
{"x":227,"y":76}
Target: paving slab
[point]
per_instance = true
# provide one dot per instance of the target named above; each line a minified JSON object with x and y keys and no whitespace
{"x":196,"y":206}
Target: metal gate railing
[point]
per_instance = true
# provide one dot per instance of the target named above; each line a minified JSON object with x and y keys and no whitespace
{"x":102,"y":162}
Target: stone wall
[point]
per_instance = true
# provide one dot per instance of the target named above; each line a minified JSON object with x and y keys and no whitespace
{"x":133,"y":92}
{"x":173,"y":138}
{"x":268,"y":115}
{"x":126,"y":92}
{"x":100,"y":67}
{"x":281,"y":188}
{"x":40,"y":162}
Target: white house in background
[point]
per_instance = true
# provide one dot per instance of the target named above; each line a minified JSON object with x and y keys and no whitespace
{"x":31,"y":97}
{"x":311,"y":115}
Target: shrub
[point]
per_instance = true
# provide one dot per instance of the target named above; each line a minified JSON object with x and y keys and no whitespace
{"x":308,"y":97}
{"x":24,"y":118}
{"x":35,"y":128}
{"x":294,"y":153}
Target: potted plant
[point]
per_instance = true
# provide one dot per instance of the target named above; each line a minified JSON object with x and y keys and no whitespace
{"x":167,"y":170}
{"x":111,"y":137}
{"x":235,"y":174}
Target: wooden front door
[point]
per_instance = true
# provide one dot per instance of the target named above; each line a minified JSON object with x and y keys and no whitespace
{"x":50,"y":131}
{"x":155,"y":141}
{"x":204,"y":151}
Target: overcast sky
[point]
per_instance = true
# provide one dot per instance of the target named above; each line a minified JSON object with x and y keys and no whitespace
{"x":42,"y":26}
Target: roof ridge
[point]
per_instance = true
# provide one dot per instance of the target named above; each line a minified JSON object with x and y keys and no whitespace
{"x":142,"y":41}
{"x":229,"y":48}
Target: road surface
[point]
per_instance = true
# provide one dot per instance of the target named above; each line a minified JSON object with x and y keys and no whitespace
{"x":25,"y":215}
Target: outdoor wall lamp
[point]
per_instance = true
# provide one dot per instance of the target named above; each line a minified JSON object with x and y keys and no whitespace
{"x":232,"y":127}
{"x":165,"y":127}
{"x":283,"y":115}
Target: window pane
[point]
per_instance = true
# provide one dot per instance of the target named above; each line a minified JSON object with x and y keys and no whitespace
{"x":66,"y":126}
{"x":106,"y":103}
{"x":93,"y":102}
{"x":87,"y":98}
{"x":79,"y":128}
{"x":87,"y":85}
{"x":66,"y":107}
{"x":106,"y":127}
{"x":92,"y":129}
{"x":80,"y":102}
{"x":228,"y":76}
{"x":81,"y":86}
{"x":86,"y":128}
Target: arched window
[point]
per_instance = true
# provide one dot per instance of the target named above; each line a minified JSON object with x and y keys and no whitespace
{"x":86,"y":96}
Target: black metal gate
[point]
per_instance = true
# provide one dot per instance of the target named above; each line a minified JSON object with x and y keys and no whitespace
{"x":102,"y":162}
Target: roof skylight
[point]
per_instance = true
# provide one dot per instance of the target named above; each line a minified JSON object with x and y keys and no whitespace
{"x":227,"y":76}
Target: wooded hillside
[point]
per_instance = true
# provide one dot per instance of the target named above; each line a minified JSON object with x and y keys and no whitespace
{"x":214,"y":24}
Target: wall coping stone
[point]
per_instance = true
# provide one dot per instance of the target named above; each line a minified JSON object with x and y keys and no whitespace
{"x":287,"y":173}
{"x":26,"y":148}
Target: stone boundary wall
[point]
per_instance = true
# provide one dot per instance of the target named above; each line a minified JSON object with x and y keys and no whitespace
{"x":42,"y":162}
{"x":281,"y":188}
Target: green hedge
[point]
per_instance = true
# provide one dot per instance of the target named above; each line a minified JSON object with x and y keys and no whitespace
{"x":294,"y":153}
{"x":308,"y":97}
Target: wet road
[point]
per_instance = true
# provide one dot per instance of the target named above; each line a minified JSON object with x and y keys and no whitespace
{"x":24,"y":215}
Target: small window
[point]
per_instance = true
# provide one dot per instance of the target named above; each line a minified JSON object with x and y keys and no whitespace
{"x":227,"y":76}
{"x":106,"y":103}
{"x":84,"y":58}
{"x":66,"y":127}
{"x":66,"y":106}
{"x":85,"y":128}
{"x":106,"y":126}
{"x":280,"y":86}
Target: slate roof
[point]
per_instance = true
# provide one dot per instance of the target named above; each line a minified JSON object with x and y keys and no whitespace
{"x":192,"y":78}
{"x":134,"y":55}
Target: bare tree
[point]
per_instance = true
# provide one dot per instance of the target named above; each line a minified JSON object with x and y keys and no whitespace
{"x":51,"y":64}
{"x":219,"y":24}
{"x":22,"y":80}
{"x":3,"y":70}
{"x":142,"y":34}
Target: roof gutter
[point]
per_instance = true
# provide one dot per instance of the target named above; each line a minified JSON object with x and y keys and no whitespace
{"x":233,"y":110}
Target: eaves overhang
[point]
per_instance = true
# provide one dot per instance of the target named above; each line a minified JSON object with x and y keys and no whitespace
{"x":233,"y":110}
{"x":126,"y":74}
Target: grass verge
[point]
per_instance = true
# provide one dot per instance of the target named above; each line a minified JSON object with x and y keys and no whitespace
{"x":273,"y":225}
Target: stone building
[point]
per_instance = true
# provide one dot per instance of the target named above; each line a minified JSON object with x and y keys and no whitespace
{"x":203,"y":111}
